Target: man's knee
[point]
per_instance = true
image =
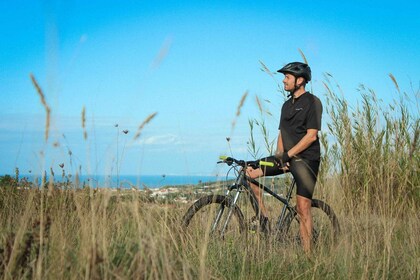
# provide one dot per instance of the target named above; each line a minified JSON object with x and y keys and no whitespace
{"x":254,"y":173}
{"x":303,"y":205}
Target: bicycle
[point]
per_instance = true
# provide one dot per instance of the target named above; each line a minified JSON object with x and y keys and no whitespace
{"x":218,"y":220}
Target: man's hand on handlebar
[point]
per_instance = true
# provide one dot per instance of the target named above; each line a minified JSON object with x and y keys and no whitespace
{"x":282,"y":160}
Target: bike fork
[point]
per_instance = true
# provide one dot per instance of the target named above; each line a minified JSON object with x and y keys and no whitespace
{"x":229,"y":215}
{"x":219,"y":215}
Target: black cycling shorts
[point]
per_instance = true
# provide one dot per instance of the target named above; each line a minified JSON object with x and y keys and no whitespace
{"x":304,"y":171}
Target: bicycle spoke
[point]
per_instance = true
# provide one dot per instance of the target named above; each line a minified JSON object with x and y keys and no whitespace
{"x":209,"y":216}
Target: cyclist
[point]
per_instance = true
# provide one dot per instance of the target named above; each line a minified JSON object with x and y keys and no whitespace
{"x":298,"y":147}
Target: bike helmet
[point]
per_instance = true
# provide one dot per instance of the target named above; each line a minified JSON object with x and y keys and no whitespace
{"x":297,"y":69}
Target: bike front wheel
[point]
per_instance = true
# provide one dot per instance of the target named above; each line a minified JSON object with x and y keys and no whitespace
{"x":214,"y":214}
{"x":326,"y":228}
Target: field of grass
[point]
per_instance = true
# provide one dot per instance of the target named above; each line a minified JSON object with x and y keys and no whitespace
{"x":75,"y":234}
{"x":370,"y":176}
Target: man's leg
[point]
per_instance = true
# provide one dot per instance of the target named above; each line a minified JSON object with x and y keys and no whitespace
{"x":305,"y":174}
{"x":256,"y":173}
{"x":305,"y":227}
{"x":259,"y":172}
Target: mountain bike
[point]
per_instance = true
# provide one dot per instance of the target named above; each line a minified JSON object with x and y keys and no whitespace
{"x":227,"y":215}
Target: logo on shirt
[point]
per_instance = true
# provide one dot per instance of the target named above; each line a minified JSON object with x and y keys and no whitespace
{"x":299,"y":109}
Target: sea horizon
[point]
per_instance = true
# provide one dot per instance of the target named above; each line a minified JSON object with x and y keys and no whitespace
{"x":128,"y":181}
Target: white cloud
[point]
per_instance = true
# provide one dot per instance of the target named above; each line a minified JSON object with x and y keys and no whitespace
{"x":167,"y":139}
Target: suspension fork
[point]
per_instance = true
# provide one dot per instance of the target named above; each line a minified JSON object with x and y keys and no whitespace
{"x":231,"y":207}
{"x":219,"y":213}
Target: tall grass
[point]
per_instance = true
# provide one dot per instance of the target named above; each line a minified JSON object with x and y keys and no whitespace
{"x":370,"y":176}
{"x":111,"y":235}
{"x":376,"y":147}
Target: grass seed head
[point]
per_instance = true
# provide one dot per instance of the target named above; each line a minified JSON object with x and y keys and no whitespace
{"x":44,"y":104}
{"x":143,"y":124}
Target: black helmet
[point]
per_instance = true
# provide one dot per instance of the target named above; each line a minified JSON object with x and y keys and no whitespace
{"x":297,"y":69}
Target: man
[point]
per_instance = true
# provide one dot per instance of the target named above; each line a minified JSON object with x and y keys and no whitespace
{"x":298,"y":147}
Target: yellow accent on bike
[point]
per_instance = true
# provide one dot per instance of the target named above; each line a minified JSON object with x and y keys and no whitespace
{"x":266,"y":163}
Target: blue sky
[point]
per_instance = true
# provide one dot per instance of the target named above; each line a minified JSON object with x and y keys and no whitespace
{"x":189,"y":61}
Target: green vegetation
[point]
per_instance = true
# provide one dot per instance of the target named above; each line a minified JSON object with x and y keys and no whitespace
{"x":370,"y":176}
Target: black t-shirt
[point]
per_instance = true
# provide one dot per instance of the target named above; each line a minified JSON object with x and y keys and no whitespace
{"x":298,"y":116}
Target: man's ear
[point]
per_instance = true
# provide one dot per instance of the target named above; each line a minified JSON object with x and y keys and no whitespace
{"x":300,"y":81}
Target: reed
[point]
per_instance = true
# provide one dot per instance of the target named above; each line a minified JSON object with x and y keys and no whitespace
{"x":238,"y":111}
{"x":143,"y":124}
{"x":85,"y":135}
{"x":44,"y":104}
{"x":375,"y":148}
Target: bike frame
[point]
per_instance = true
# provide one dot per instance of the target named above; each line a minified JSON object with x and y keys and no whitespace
{"x":241,"y":184}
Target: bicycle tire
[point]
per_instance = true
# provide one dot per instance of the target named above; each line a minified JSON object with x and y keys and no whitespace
{"x":326,"y":227}
{"x":201,"y":216}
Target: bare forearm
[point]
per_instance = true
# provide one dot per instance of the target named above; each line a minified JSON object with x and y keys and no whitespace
{"x":304,"y":143}
{"x":280,"y":147}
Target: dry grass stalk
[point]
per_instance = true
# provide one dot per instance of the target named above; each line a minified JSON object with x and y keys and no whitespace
{"x":238,"y":110}
{"x":259,"y":104}
{"x":266,"y":70}
{"x":241,"y":103}
{"x":303,"y":56}
{"x":44,"y":103}
{"x":51,"y":183}
{"x":146,"y":121}
{"x":162,"y":53}
{"x":327,"y":88}
{"x":84,"y":123}
{"x":394,"y":81}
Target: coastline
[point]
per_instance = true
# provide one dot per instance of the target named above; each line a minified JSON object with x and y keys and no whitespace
{"x":125,"y":181}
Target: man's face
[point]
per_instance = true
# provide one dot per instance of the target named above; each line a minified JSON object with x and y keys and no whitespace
{"x":289,"y":82}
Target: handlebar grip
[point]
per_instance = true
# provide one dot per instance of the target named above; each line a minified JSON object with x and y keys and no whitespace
{"x":266,"y":163}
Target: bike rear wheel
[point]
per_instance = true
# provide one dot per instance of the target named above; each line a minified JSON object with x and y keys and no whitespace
{"x":326,"y":228}
{"x":210,"y":214}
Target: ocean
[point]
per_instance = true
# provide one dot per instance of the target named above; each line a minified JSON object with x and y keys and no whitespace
{"x":129,"y":181}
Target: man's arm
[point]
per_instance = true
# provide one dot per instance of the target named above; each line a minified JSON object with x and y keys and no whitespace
{"x":280,"y":147}
{"x":304,"y":143}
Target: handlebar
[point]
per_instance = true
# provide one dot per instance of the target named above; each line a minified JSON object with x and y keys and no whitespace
{"x":254,"y":164}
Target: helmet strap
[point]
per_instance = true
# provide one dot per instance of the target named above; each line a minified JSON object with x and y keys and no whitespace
{"x":296,"y":87}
